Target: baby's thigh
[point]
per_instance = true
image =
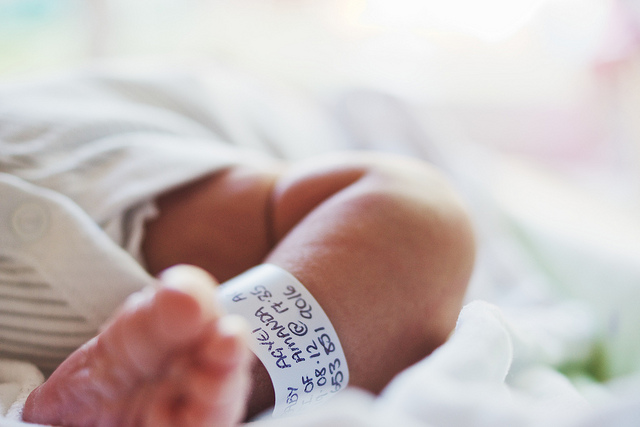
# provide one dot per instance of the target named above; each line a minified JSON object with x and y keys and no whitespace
{"x":220,"y":223}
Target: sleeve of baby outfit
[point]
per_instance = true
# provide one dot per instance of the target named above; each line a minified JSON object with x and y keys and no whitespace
{"x":81,"y":162}
{"x":111,"y":143}
{"x":61,"y":276}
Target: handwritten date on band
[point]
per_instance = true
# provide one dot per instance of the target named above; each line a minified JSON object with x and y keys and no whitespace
{"x":303,"y":394}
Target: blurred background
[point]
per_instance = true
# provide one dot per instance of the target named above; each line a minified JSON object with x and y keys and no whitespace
{"x":554,"y":81}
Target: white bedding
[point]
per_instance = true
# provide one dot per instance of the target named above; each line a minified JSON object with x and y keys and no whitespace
{"x":550,"y":334}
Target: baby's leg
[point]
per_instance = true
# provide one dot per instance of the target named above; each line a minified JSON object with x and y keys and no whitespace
{"x":167,"y":358}
{"x":382,"y":243}
{"x":386,"y":249}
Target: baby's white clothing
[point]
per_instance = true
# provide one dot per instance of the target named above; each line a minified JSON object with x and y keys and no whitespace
{"x":81,"y":160}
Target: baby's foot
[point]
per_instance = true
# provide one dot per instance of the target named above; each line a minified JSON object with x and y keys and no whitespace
{"x":168,"y":358}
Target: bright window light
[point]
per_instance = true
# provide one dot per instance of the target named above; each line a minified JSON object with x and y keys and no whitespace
{"x":490,"y":20}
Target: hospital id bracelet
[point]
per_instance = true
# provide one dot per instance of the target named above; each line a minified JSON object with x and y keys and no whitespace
{"x":290,"y":334}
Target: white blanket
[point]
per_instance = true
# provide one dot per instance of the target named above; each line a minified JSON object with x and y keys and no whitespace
{"x":17,"y":380}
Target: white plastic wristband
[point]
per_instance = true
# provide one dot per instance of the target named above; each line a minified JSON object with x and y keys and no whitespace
{"x":290,"y":334}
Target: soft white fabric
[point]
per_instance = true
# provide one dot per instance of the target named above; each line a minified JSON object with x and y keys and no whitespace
{"x":82,"y":158}
{"x":17,"y":380}
{"x":489,"y":373}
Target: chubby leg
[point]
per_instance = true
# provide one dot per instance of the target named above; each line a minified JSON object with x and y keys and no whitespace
{"x":388,"y":256}
{"x":168,"y":357}
{"x":382,"y":242}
